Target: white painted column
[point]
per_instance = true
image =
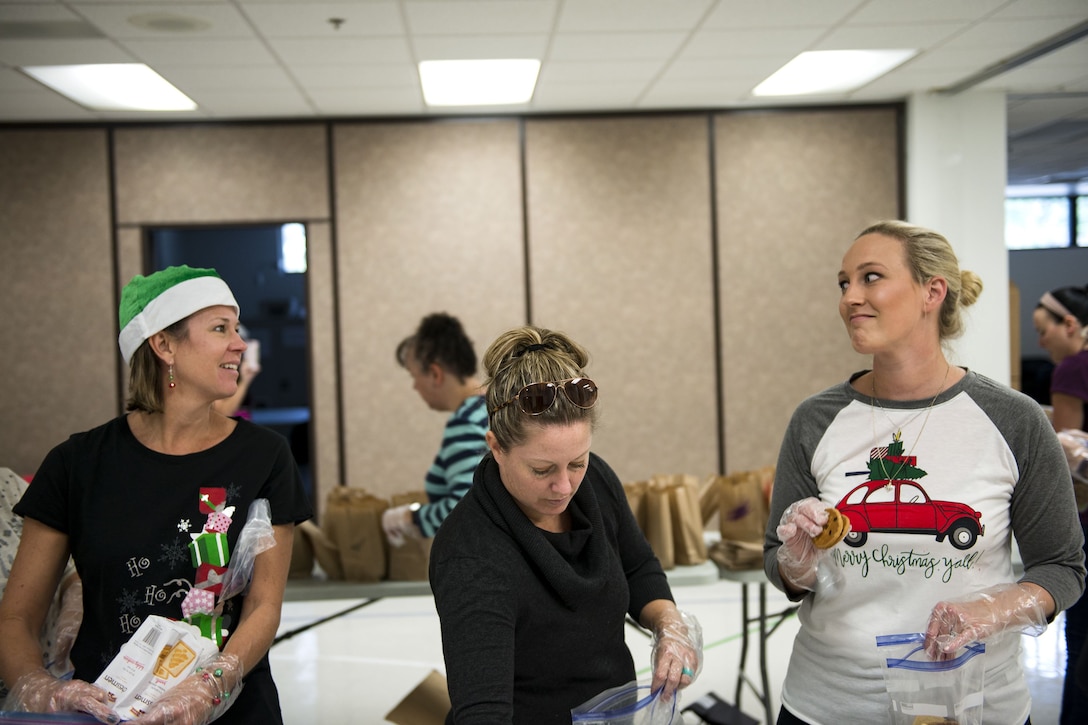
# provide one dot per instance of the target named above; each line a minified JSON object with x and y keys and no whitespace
{"x":956,"y":175}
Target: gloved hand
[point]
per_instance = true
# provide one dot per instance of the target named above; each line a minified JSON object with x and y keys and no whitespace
{"x":800,"y":563}
{"x":201,"y":697}
{"x":798,"y":557}
{"x":398,"y":525}
{"x":981,"y":615}
{"x":677,"y":652}
{"x":1075,"y":445}
{"x":38,"y":691}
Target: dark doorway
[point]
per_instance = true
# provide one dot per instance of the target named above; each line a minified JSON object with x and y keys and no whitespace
{"x":265,"y":268}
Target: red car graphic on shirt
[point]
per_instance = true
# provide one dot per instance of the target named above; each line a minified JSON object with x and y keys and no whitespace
{"x":904,"y":507}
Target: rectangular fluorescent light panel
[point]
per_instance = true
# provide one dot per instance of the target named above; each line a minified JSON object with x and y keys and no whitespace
{"x":112,"y":86}
{"x":831,"y":71}
{"x":478,"y":82}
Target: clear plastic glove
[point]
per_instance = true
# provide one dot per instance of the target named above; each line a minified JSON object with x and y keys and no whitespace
{"x":257,"y":536}
{"x":798,"y":557}
{"x":983,"y":614}
{"x":1075,"y":445}
{"x":69,"y":619}
{"x":38,"y":691}
{"x":677,"y":653}
{"x":398,"y":525}
{"x":201,"y":697}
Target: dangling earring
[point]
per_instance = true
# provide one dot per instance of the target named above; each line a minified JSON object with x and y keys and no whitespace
{"x":172,"y":377}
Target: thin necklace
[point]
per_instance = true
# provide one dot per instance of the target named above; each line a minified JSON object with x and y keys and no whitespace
{"x":874,"y":404}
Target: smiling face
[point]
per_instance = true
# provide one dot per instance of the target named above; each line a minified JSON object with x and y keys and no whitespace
{"x":881,"y":304}
{"x":207,"y":361}
{"x":544,"y":472}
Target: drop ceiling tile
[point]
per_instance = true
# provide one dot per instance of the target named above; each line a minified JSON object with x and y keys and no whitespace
{"x":252,"y":103}
{"x":225,"y":78}
{"x":915,"y":36}
{"x":732,"y":14}
{"x":1009,"y":35}
{"x":44,"y":105}
{"x":319,"y":78}
{"x":347,"y":51}
{"x":368,"y":102}
{"x":122,"y":20}
{"x":197,"y":53}
{"x":311,"y":20}
{"x":472,"y":17}
{"x":467,"y":47}
{"x":615,"y":46}
{"x":734,"y":43}
{"x":882,"y":12}
{"x":36,"y":52}
{"x":630,"y":15}
{"x":597,"y":72}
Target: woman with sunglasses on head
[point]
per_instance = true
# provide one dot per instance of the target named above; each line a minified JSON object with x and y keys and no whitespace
{"x":935,"y":468}
{"x":537,"y":567}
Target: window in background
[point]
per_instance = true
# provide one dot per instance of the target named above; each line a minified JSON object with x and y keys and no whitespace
{"x":1082,"y":221}
{"x":292,"y":248}
{"x":1037,"y":222}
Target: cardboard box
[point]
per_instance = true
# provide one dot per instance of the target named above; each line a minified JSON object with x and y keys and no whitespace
{"x":428,"y":704}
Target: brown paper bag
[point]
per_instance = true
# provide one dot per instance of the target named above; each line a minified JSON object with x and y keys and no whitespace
{"x":302,"y":556}
{"x":353,"y":522}
{"x":708,"y":499}
{"x":659,"y":523}
{"x":409,"y":562}
{"x":689,"y":546}
{"x":326,"y":553}
{"x":742,"y":509}
{"x":636,"y":499}
{"x":428,"y":704}
{"x":737,"y":555}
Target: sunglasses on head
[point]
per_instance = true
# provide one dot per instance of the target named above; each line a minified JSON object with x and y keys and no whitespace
{"x":535,"y":398}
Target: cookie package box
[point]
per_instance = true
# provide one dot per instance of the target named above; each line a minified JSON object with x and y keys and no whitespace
{"x":161,"y":653}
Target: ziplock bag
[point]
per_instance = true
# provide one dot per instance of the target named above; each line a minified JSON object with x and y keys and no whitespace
{"x":630,"y":704}
{"x":919,"y":686}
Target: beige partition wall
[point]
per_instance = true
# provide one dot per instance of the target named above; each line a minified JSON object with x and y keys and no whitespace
{"x":793,"y":188}
{"x":429,"y":218}
{"x":240,"y":174}
{"x":621,"y":258}
{"x":58,"y":317}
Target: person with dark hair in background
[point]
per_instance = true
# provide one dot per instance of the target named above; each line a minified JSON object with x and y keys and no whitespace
{"x":535,"y":570}
{"x":152,"y":506}
{"x":440,"y":358}
{"x":931,"y":439}
{"x":1061,"y":321}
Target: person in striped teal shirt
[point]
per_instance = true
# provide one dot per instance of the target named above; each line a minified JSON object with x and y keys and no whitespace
{"x":442,"y":362}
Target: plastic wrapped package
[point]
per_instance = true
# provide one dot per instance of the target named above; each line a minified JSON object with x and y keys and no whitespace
{"x":921,"y":689}
{"x":630,"y":704}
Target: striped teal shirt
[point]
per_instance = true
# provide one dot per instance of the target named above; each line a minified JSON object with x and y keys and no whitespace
{"x":450,"y":476}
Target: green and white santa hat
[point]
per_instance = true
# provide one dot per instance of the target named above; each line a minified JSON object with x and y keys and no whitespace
{"x":151,"y":304}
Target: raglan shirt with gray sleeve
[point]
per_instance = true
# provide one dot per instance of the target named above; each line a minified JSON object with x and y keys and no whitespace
{"x":981,"y":445}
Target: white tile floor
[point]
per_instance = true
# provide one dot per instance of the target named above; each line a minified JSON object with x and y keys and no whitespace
{"x":357,"y":667}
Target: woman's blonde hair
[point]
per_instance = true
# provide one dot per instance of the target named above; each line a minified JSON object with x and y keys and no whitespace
{"x":527,"y":355}
{"x":145,"y":379}
{"x":930,"y":255}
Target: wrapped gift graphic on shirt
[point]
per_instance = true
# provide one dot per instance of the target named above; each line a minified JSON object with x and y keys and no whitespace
{"x":209,"y":548}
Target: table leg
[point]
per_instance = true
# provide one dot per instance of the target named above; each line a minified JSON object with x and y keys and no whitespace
{"x":743,"y":642}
